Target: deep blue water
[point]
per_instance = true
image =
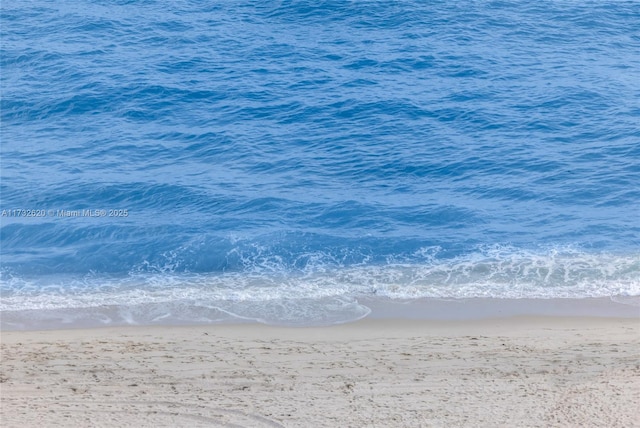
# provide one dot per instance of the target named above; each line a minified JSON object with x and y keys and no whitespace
{"x":191,"y":161}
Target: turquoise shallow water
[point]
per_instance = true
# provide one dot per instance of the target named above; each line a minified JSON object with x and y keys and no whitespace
{"x":280,"y":160}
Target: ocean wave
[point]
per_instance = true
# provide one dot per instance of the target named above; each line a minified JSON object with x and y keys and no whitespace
{"x":494,"y":273}
{"x":296,"y":150}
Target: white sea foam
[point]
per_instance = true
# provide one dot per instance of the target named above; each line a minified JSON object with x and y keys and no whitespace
{"x":492,"y":274}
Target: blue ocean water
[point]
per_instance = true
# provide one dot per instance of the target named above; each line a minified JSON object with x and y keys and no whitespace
{"x":279,"y":161}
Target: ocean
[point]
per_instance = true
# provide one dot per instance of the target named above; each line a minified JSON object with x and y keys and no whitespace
{"x":168,"y":162}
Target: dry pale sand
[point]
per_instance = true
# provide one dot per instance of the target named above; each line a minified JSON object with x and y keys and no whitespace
{"x":543,"y":371}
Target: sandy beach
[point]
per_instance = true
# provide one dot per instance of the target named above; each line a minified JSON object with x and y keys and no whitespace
{"x":518,"y":371}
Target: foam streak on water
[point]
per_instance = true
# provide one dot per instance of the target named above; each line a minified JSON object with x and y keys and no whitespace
{"x":277,"y":161}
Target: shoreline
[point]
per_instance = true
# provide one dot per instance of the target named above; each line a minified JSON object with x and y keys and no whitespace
{"x":367,"y":308}
{"x":484,"y":308}
{"x":510,"y":371}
